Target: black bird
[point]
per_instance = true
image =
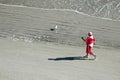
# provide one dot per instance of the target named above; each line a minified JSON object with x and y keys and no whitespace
{"x":55,"y":28}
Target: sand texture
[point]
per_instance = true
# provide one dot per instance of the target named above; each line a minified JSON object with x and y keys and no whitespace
{"x":33,"y":24}
{"x":29,"y":50}
{"x":24,"y":61}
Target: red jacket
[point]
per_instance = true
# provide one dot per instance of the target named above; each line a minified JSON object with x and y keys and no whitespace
{"x":90,"y":41}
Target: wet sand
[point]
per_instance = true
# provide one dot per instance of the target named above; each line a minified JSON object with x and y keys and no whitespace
{"x":35,"y":24}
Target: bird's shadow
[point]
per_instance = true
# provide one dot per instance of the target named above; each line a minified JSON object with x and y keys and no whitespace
{"x":70,"y":58}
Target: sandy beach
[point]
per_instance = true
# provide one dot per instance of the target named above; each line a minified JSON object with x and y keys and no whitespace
{"x":30,"y":51}
{"x":34,"y":24}
{"x":39,"y":61}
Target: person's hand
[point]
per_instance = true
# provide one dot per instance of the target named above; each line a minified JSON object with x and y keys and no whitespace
{"x":82,"y":38}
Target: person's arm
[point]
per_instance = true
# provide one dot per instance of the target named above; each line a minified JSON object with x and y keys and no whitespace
{"x":83,"y":38}
{"x":94,"y":41}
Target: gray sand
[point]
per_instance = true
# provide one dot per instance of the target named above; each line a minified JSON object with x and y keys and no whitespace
{"x":47,"y":61}
{"x":35,"y":24}
{"x":100,"y":8}
{"x":33,"y":61}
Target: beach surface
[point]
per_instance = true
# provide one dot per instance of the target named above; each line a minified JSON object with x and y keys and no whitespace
{"x":40,"y":61}
{"x":30,"y":51}
{"x":34,"y":24}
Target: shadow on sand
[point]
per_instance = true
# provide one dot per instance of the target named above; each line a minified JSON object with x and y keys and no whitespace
{"x":69,"y":58}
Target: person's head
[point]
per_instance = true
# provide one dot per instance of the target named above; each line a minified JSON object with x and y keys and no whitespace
{"x":89,"y":33}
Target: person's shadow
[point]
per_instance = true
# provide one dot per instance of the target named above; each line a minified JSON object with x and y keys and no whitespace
{"x":69,"y":58}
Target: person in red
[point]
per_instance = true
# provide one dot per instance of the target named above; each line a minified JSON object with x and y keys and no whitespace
{"x":90,"y":41}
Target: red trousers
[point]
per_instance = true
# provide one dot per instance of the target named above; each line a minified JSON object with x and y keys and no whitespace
{"x":89,"y":50}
